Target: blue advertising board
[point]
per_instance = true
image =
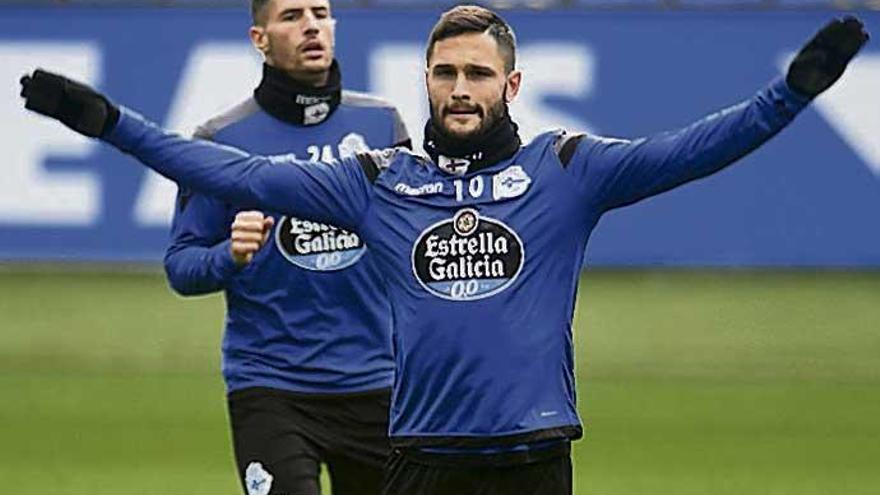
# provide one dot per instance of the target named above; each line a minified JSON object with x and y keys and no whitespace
{"x":808,"y":198}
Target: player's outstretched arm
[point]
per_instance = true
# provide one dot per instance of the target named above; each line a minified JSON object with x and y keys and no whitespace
{"x":332,"y":193}
{"x":620,"y":172}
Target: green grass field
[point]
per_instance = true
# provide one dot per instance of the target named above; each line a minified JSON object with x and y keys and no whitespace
{"x":689,"y":383}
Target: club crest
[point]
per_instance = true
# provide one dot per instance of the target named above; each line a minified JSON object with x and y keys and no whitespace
{"x":511,"y":182}
{"x":315,"y":114}
{"x":257,"y":479}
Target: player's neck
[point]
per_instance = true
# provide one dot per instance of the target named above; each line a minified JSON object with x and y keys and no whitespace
{"x":309,"y":79}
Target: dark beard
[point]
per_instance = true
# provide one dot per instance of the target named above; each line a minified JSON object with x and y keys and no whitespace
{"x":495,"y":140}
{"x":497,"y":112}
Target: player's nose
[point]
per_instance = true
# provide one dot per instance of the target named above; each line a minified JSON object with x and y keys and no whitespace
{"x":311,"y":23}
{"x":461,"y":90}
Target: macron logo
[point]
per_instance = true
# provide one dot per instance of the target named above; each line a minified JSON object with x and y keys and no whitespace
{"x":424,"y":189}
{"x":310,"y":100}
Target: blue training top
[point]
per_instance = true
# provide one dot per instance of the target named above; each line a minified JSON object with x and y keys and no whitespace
{"x":309,"y":313}
{"x":481,"y":269}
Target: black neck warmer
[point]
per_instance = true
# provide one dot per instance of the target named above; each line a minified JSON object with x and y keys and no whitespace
{"x":291,"y":101}
{"x":458,"y":156}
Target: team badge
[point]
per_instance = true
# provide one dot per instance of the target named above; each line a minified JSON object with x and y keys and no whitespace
{"x":467,"y":257}
{"x":352,"y":144}
{"x":257,"y":479}
{"x":454,"y":166}
{"x":317,"y":246}
{"x":315,"y":114}
{"x":511,"y":182}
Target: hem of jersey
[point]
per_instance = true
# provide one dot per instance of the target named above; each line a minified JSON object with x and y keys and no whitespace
{"x":563,"y":448}
{"x":311,"y":392}
{"x":246,"y":393}
{"x":570,"y":432}
{"x":120,"y":134}
{"x":790,"y":93}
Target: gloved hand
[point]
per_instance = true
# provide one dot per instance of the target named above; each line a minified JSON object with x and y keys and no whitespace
{"x":823,"y":59}
{"x":76,"y":105}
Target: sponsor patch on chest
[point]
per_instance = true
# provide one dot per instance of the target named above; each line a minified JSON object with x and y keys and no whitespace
{"x":317,"y":246}
{"x":467,"y":257}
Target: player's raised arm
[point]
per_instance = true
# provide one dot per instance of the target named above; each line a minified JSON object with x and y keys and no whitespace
{"x":336,"y":193}
{"x":618,"y":172}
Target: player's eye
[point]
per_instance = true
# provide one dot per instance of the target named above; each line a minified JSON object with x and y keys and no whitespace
{"x":291,"y":15}
{"x":444,"y":72}
{"x":480,"y":73}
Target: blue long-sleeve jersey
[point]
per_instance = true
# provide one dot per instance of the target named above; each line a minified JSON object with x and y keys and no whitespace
{"x":309,"y":313}
{"x":481,"y":269}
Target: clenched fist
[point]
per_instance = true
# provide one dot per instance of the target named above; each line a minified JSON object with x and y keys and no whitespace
{"x":824,"y":58}
{"x":250,"y":230}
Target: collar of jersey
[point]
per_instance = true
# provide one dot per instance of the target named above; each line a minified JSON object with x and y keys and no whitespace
{"x":287,"y":99}
{"x":462,"y":156}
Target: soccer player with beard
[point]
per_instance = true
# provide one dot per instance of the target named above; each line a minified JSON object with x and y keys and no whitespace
{"x":481,"y":242}
{"x":307,"y":347}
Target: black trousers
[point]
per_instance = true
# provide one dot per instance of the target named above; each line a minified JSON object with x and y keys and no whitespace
{"x":408,"y":474}
{"x":281,"y":438}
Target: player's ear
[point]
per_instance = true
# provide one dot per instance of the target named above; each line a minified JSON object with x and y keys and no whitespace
{"x":259,"y":39}
{"x":511,"y":89}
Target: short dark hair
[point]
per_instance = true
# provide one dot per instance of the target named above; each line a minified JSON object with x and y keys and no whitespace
{"x":474,"y":19}
{"x":258,"y":8}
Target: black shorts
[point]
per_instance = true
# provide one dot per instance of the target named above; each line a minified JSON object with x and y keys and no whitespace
{"x":416,"y":473}
{"x":280,"y":439}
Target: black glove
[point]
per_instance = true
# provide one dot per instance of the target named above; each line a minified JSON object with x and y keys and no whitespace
{"x":823,"y":59}
{"x":76,"y":105}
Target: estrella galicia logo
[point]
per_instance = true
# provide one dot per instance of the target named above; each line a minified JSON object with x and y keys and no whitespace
{"x":317,"y":246}
{"x":467,"y":257}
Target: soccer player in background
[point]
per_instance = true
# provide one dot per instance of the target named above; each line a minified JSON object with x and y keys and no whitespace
{"x":307,"y":348}
{"x":481,"y":242}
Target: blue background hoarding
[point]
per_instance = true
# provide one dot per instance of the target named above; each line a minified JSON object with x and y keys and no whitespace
{"x":809,"y":198}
